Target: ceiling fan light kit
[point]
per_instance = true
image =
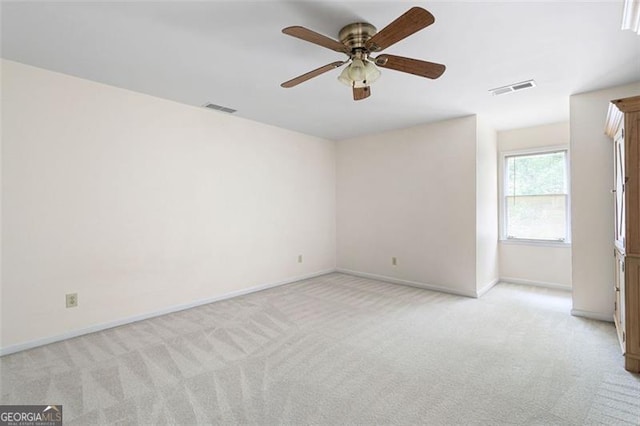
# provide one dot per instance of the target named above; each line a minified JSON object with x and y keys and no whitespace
{"x":358,"y":41}
{"x":359,"y":73}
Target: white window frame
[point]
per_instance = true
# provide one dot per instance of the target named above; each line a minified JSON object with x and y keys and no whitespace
{"x":503,"y":186}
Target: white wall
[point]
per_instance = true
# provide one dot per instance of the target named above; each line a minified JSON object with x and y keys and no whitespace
{"x":535,"y":264}
{"x":411,"y":194}
{"x":139,"y":204}
{"x":592,"y":212}
{"x":487,"y":267}
{"x":534,"y":137}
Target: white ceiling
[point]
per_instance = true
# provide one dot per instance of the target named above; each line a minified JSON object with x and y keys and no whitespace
{"x":232,"y":53}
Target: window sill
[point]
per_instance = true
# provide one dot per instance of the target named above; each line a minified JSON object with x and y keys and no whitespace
{"x":538,"y":243}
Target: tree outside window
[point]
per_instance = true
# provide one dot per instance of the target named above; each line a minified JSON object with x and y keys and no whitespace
{"x":536,"y":196}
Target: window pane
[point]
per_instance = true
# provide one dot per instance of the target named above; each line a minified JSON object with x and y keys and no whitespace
{"x":537,"y":217}
{"x":536,"y":174}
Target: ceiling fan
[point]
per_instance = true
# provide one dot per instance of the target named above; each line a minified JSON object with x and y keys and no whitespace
{"x":358,"y":41}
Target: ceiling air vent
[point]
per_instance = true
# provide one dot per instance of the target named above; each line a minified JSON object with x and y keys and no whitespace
{"x":513,"y":87}
{"x":219,"y":108}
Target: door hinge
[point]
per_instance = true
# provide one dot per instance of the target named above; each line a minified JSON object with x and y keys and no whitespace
{"x":622,"y":266}
{"x":624,"y":337}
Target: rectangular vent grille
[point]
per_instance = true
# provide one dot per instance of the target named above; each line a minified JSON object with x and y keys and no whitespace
{"x":513,"y":87}
{"x":219,"y":108}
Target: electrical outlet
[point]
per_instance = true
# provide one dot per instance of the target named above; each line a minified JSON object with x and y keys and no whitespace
{"x":72,"y":300}
{"x":394,"y":261}
{"x":299,"y":258}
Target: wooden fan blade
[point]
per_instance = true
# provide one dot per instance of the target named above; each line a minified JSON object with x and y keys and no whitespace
{"x":360,"y":93}
{"x":408,"y":23}
{"x":411,"y":66}
{"x":315,"y":38}
{"x":304,"y":77}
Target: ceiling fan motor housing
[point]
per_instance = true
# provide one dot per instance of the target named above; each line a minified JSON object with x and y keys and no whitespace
{"x":356,"y":35}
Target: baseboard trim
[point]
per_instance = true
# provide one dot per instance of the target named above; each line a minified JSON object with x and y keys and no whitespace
{"x":171,"y":309}
{"x":486,"y":288}
{"x":556,"y":286}
{"x":592,"y":315}
{"x":407,"y":282}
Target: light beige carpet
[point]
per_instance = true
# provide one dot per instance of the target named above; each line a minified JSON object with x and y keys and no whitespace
{"x":340,"y":350}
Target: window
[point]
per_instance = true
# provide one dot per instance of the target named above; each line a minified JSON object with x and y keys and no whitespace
{"x":535,"y":195}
